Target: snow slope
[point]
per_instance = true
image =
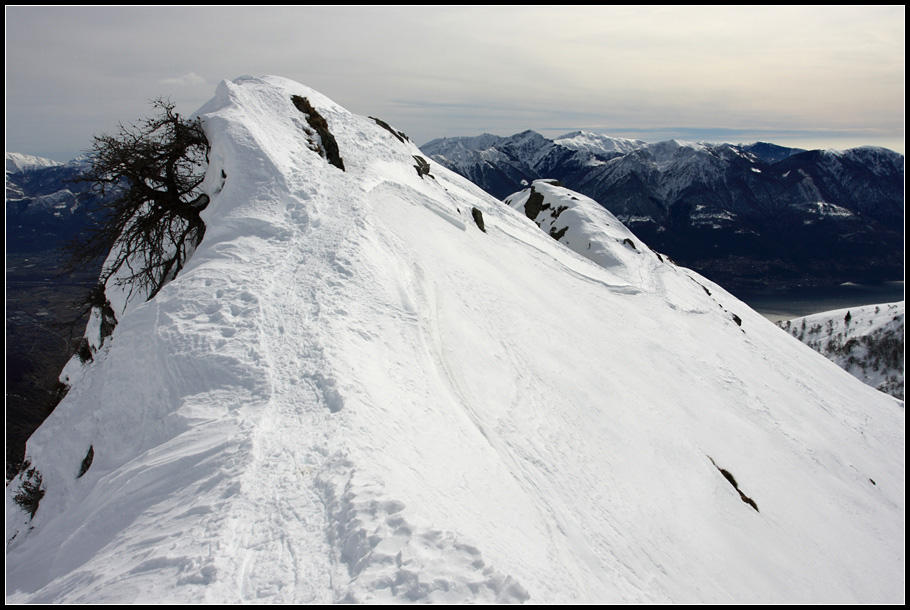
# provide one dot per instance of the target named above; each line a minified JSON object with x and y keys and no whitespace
{"x":353,"y":393}
{"x":867,"y":341}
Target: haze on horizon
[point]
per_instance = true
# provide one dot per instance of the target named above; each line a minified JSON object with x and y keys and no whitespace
{"x":806,"y":76}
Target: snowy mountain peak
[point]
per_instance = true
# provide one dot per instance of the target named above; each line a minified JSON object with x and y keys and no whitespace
{"x":529,"y":147}
{"x":461,"y":150}
{"x":17,"y":162}
{"x":481,"y":142}
{"x":597,"y":143}
{"x":380,"y":384}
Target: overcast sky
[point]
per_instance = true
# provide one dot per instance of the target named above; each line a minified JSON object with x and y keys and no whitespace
{"x":801,"y":76}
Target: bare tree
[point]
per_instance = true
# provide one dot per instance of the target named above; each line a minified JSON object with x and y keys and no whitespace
{"x":149,"y":177}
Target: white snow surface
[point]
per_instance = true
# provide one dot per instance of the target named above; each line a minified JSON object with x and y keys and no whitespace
{"x":351,"y":393}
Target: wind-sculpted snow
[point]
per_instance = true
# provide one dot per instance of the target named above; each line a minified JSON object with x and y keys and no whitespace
{"x":385,"y":558}
{"x":352,"y":393}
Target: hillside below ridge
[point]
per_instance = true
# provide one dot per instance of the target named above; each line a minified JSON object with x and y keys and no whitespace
{"x":866,"y":341}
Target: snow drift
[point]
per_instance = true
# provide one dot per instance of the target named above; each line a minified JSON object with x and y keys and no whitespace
{"x":353,"y":393}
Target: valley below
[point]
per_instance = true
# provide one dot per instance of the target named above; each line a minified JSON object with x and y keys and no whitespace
{"x":779,"y":304}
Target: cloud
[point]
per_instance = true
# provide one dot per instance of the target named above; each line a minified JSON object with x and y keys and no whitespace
{"x":434,"y":71}
{"x":188,"y":79}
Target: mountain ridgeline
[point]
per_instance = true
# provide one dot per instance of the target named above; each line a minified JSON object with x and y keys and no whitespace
{"x":373,"y":382}
{"x":746,"y":216}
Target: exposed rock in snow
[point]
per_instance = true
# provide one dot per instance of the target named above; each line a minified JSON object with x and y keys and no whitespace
{"x":586,"y":228}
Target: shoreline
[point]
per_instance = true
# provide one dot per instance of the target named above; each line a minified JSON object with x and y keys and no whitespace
{"x":787,"y":304}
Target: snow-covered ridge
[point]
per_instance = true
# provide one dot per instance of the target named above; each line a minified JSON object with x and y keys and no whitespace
{"x":453,"y":147}
{"x":354,"y":393}
{"x":586,"y":228}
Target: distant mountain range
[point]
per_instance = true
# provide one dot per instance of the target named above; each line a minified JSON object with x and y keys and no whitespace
{"x":375,"y":383}
{"x":744,"y":215}
{"x":44,"y":207}
{"x":17,"y":163}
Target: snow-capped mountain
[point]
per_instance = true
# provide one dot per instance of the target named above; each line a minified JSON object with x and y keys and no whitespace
{"x":18,"y":162}
{"x":598,"y":144}
{"x":744,"y":215}
{"x":867,"y":341}
{"x":44,"y":207}
{"x":374,"y":382}
{"x":487,"y":160}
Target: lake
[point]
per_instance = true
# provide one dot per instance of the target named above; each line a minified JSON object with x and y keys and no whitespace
{"x":798,"y":302}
